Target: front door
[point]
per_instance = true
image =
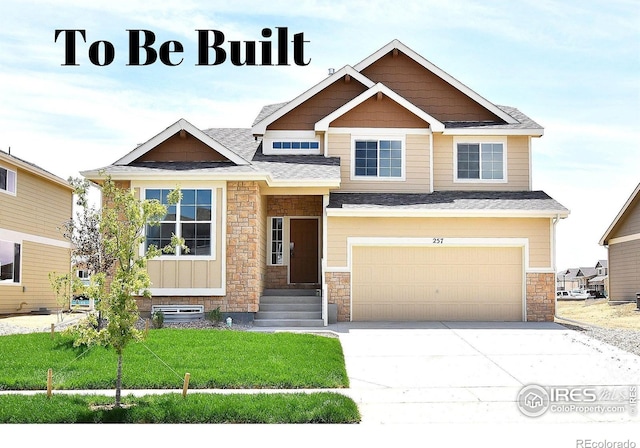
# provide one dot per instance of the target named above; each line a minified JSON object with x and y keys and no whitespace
{"x":303,"y":251}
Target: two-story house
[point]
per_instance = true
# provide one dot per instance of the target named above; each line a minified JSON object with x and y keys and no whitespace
{"x":33,"y":206}
{"x":391,"y":188}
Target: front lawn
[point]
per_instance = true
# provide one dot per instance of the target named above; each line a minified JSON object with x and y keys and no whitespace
{"x":213,"y":358}
{"x":321,"y":407}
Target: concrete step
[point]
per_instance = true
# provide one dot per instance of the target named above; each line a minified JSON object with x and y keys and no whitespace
{"x":271,"y":315}
{"x":269,"y":300}
{"x":289,"y":292}
{"x":288,"y":323}
{"x":290,"y":307}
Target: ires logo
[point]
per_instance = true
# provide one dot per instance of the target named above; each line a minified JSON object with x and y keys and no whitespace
{"x":211,"y":49}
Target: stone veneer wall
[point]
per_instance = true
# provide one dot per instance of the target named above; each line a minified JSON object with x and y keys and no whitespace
{"x":541,"y":297}
{"x":339,"y":292}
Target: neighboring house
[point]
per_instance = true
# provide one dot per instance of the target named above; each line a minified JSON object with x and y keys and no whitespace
{"x":622,"y":240}
{"x":568,"y":280}
{"x":33,"y":206}
{"x":391,"y":188}
{"x":585,"y":278}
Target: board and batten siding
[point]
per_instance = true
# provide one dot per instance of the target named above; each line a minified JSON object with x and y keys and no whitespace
{"x":536,"y":230}
{"x":518,"y":170}
{"x":40,"y":207}
{"x":190,"y":272}
{"x":416,"y":165}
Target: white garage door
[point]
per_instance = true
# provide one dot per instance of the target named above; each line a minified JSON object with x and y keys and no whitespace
{"x":391,"y":283}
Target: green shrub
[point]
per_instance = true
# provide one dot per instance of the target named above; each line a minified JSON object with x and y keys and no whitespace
{"x":157,"y":319}
{"x":214,"y":315}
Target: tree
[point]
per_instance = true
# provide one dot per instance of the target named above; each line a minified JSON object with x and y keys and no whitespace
{"x":119,"y":269}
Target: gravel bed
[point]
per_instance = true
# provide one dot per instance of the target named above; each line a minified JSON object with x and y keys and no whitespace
{"x":624,"y":339}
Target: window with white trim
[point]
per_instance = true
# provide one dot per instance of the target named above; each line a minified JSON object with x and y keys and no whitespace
{"x":480,"y":161}
{"x":7,"y":180}
{"x":378,"y":158}
{"x":191,"y":219}
{"x":10,"y":254}
{"x":295,"y":145}
{"x":277,"y":226}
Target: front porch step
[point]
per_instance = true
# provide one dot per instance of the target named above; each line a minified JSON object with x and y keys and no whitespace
{"x":289,"y":308}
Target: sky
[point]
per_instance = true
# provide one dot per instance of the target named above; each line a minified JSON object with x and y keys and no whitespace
{"x":572,"y":66}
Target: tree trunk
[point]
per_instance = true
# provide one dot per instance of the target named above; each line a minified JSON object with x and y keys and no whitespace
{"x":119,"y":380}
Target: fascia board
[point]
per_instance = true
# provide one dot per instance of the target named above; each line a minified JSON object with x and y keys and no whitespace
{"x":447,"y":213}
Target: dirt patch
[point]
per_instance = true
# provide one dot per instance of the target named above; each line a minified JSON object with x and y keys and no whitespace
{"x":599,"y":312}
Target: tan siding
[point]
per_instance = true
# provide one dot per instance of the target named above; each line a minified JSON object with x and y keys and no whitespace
{"x":417,"y":166}
{"x":630,"y":224}
{"x":318,"y":106}
{"x":179,"y":149}
{"x":537,"y":230}
{"x":437,"y":283}
{"x":38,"y":260}
{"x":518,"y":170}
{"x":39,"y":207}
{"x":426,"y":90}
{"x":379,"y":112}
{"x":624,"y":270}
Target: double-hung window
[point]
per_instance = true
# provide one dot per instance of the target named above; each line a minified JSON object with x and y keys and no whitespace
{"x":378,"y":158}
{"x":10,"y":253}
{"x":480,"y":161}
{"x":190,"y":219}
{"x":7,"y":180}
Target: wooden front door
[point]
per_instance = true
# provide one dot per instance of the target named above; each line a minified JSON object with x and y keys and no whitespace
{"x":303,"y":253}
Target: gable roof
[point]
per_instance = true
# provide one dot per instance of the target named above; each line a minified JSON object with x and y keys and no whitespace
{"x":323,"y":124}
{"x":396,"y":44}
{"x":181,"y":125}
{"x":260,"y":126}
{"x":33,"y":168}
{"x":605,"y":238}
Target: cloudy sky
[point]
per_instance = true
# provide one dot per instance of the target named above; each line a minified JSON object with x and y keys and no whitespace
{"x":573,"y":66}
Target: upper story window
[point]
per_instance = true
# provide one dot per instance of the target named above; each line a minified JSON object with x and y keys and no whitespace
{"x":480,"y":162}
{"x":7,"y":181}
{"x":190,"y":219}
{"x":295,"y":145}
{"x":378,"y":159}
{"x":10,"y":262}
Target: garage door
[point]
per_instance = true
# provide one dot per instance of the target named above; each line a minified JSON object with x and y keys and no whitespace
{"x":437,"y":283}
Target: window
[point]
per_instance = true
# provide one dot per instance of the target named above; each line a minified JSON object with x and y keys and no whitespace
{"x":9,"y":262}
{"x":296,"y":145}
{"x":276,"y":240}
{"x":481,"y":161}
{"x":378,"y":158}
{"x":7,"y":180}
{"x":190,"y":219}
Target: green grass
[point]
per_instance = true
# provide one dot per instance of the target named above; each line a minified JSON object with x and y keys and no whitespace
{"x":213,"y":358}
{"x":321,"y":407}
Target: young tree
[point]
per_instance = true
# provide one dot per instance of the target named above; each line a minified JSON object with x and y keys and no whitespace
{"x":121,"y":227}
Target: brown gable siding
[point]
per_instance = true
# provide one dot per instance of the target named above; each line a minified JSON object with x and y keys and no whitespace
{"x":630,"y":224}
{"x":305,"y":116}
{"x":426,"y":90}
{"x":179,"y":149}
{"x":379,"y":111}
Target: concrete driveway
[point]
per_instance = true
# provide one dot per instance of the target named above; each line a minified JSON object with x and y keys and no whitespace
{"x":452,"y":372}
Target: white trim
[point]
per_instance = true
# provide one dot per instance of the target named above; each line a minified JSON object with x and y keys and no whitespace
{"x":480,"y":141}
{"x":379,"y":136}
{"x":605,"y":237}
{"x":396,"y":44}
{"x":178,"y":126}
{"x":290,"y":136}
{"x":4,"y":283}
{"x":270,"y":240}
{"x":323,"y":125}
{"x":449,"y":213}
{"x":624,"y":239}
{"x":261,"y":127}
{"x":12,"y":235}
{"x":35,"y":170}
{"x":431,"y":163}
{"x":187,"y":291}
{"x":489,"y":131}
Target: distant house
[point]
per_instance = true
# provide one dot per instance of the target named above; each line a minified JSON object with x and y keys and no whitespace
{"x":567,"y":279}
{"x":33,"y":205}
{"x":584,"y":278}
{"x":622,"y":240}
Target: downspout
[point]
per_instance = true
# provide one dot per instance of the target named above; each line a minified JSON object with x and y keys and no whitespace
{"x":430,"y":162}
{"x":325,"y":289}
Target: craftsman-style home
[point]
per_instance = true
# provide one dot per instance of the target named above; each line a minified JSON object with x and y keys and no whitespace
{"x":33,"y":206}
{"x":387,"y":191}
